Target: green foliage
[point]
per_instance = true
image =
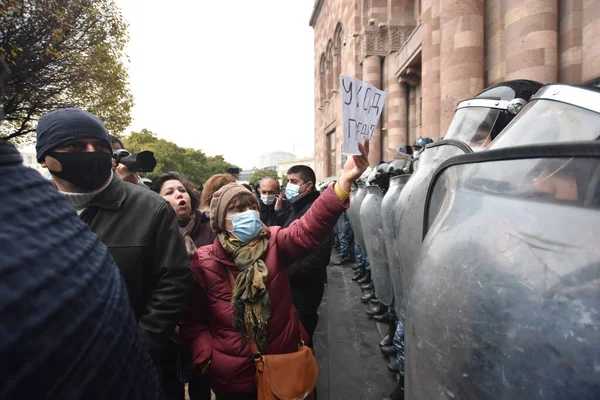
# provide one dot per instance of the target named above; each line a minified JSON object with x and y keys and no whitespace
{"x":64,"y":53}
{"x":192,"y":164}
{"x":261,"y":173}
{"x":284,"y":179}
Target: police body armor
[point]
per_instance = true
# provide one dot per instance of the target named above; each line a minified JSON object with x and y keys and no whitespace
{"x":389,"y":207}
{"x":505,"y":300}
{"x":476,"y":123}
{"x":371,"y":223}
{"x":356,"y":198}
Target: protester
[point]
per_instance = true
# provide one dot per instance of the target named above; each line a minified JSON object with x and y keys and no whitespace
{"x":66,"y":327}
{"x":124,"y":173}
{"x":346,"y":241}
{"x":274,"y":210}
{"x":308,"y":275}
{"x":138,"y":226}
{"x":211,"y":186}
{"x":257,"y":257}
{"x":194,"y":226}
{"x":116,"y":143}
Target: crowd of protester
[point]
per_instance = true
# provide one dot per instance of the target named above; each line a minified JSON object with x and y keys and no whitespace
{"x":115,"y":290}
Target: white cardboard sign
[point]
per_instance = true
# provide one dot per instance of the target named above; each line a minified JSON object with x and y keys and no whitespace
{"x":362,"y":105}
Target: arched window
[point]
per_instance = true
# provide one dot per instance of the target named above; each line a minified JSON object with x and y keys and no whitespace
{"x":337,"y":56}
{"x":322,"y":97}
{"x":329,"y":69}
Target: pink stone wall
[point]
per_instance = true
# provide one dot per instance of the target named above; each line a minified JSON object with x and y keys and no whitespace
{"x":430,"y":69}
{"x":467,"y":45}
{"x":461,"y":55}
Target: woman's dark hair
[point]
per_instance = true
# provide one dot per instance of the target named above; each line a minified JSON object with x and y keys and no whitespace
{"x":114,"y":139}
{"x":158,"y":183}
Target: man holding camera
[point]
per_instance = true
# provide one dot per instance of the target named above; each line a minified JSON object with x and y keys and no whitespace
{"x":121,"y":168}
{"x":138,"y":226}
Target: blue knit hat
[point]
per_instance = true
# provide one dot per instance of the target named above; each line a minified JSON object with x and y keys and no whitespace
{"x":60,"y":126}
{"x":67,"y":330}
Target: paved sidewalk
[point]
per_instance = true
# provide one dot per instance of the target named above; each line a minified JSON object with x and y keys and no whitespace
{"x":347,"y":344}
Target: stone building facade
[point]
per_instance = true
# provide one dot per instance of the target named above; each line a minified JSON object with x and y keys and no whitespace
{"x":430,"y":54}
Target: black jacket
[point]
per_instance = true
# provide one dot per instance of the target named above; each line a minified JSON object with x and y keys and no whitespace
{"x":307,"y":276}
{"x":270,"y":217}
{"x":140,"y":230}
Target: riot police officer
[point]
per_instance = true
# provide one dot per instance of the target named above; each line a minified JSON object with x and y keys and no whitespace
{"x":510,"y":245}
{"x":476,"y":123}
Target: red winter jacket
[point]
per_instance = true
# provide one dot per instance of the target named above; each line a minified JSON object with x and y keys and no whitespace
{"x":211,"y":332}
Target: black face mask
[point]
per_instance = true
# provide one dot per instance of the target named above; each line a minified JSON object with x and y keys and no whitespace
{"x":86,"y":170}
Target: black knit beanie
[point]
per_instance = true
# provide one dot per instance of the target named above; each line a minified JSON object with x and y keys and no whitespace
{"x":60,"y":126}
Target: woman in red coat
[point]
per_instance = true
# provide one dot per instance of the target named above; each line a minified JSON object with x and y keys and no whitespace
{"x":257,"y":257}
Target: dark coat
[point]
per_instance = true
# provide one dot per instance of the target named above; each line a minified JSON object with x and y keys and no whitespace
{"x":308,"y":275}
{"x":202,"y":234}
{"x":212,"y":334}
{"x":140,"y":230}
{"x":66,"y":327}
{"x":270,"y":217}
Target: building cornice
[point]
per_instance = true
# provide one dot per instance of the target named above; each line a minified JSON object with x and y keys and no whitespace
{"x":315,"y":13}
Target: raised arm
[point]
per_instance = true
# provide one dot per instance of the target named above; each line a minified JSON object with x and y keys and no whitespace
{"x":307,"y":233}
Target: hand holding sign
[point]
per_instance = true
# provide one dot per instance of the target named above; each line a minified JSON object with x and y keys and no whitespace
{"x":355,"y":166}
{"x":362,"y":105}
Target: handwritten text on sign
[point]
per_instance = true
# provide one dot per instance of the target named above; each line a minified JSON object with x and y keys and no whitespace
{"x":362,"y":105}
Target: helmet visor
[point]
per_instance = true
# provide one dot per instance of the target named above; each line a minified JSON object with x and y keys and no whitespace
{"x":547,"y":121}
{"x":473,"y":125}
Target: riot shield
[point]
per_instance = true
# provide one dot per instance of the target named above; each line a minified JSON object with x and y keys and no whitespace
{"x":350,"y":213}
{"x":557,"y":113}
{"x":389,"y":207}
{"x":409,"y":216}
{"x":372,"y":228}
{"x":505,"y":300}
{"x":356,"y":198}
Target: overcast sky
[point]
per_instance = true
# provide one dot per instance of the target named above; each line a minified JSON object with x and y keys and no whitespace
{"x":228,"y":77}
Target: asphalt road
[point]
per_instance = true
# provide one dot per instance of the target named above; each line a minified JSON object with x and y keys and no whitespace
{"x":347,"y":344}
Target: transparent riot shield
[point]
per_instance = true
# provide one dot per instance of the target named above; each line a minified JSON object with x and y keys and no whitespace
{"x":409,"y":216}
{"x":556,"y":113}
{"x":361,"y":193}
{"x":505,"y":300}
{"x":389,"y":208}
{"x":356,"y":199}
{"x":372,"y":228}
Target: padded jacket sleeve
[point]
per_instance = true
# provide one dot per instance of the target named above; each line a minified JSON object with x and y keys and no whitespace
{"x":195,"y":330}
{"x":307,"y":233}
{"x":171,"y":280}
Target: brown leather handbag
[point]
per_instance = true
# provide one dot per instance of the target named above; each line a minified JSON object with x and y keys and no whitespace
{"x":285,"y":376}
{"x":291,"y":376}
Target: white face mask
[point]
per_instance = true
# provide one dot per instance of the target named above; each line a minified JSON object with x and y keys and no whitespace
{"x":268,"y":199}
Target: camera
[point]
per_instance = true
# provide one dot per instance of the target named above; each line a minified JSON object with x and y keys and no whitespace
{"x":143,"y":161}
{"x":233,"y":171}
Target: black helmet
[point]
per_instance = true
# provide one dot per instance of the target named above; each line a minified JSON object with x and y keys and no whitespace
{"x":396,"y":167}
{"x":422,"y":142}
{"x":477,"y":121}
{"x":383,"y":167}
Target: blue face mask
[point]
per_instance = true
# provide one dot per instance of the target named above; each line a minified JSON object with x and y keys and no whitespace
{"x":292,"y":192}
{"x":246,"y":225}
